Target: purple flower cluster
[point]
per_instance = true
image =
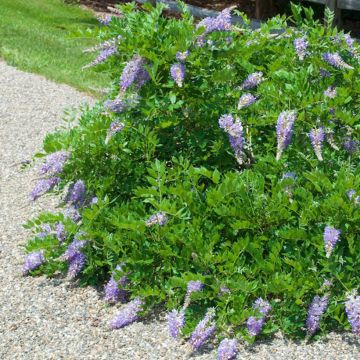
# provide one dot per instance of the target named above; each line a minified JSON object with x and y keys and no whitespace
{"x":234,"y":130}
{"x":182,"y":56}
{"x":114,"y":289}
{"x":177,"y":72}
{"x":157,"y":219}
{"x":316,"y":309}
{"x":317,"y":137}
{"x":43,"y":186}
{"x":246,"y":100}
{"x":120,"y":103}
{"x":127,"y":315}
{"x":335,"y":60}
{"x":203,"y":331}
{"x":104,"y":20}
{"x":324,"y":73}
{"x":352,"y":308}
{"x":300,"y":46}
{"x":350,"y":145}
{"x":45,"y":231}
{"x":220,"y":23}
{"x":254,"y":325}
{"x":60,"y":232}
{"x":331,"y":237}
{"x":284,"y":130}
{"x":102,"y":57}
{"x":252,"y":81}
{"x":54,"y":163}
{"x":77,"y":192}
{"x":330,"y":92}
{"x":133,"y":72}
{"x":115,"y":127}
{"x":73,"y":213}
{"x":75,"y":257}
{"x":228,"y":349}
{"x":223,"y":291}
{"x":192,"y":286}
{"x":176,"y":321}
{"x":32,"y":261}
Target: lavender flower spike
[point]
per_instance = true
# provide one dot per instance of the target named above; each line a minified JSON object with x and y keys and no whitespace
{"x":76,"y":264}
{"x":336,"y":61}
{"x":120,"y":103}
{"x":177,"y":72}
{"x":60,"y":232}
{"x":331,"y":237}
{"x":45,"y":230}
{"x":316,"y":309}
{"x":317,"y":137}
{"x":203,"y":331}
{"x":54,"y":163}
{"x":352,"y":309}
{"x":158,"y":218}
{"x":114,"y":291}
{"x":73,"y":249}
{"x":127,"y":315}
{"x":192,"y":286}
{"x":182,"y":56}
{"x":262,"y":306}
{"x":115,"y":127}
{"x":43,"y":186}
{"x":246,"y":100}
{"x":330,"y":92}
{"x":32,"y":261}
{"x":102,"y":57}
{"x":254,"y":325}
{"x":131,"y":72}
{"x":228,"y":349}
{"x":252,"y":81}
{"x":72,"y":213}
{"x":284,"y":129}
{"x":301,"y":45}
{"x":220,"y":23}
{"x":77,"y":192}
{"x":176,"y":321}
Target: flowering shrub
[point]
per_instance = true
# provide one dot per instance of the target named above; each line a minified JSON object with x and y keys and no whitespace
{"x":219,"y":178}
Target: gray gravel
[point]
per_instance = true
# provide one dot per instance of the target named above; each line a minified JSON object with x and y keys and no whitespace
{"x":50,"y":319}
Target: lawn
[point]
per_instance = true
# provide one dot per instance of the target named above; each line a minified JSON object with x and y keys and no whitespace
{"x":38,"y":36}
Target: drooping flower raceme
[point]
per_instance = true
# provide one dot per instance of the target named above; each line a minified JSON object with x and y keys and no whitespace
{"x":331,"y":237}
{"x":114,"y":289}
{"x":128,"y":314}
{"x":176,"y":321}
{"x":203,"y":331}
{"x":192,"y":286}
{"x":220,"y":23}
{"x":228,"y":349}
{"x":317,"y":137}
{"x":32,"y":261}
{"x":60,"y":232}
{"x":157,"y":219}
{"x":252,"y":81}
{"x":316,"y":310}
{"x":262,"y":306}
{"x":54,"y":163}
{"x":43,"y":186}
{"x":115,"y":127}
{"x":133,"y":72}
{"x":254,"y":325}
{"x":350,"y":145}
{"x":336,"y":61}
{"x":246,"y":100}
{"x":352,"y":309}
{"x":75,"y":257}
{"x":300,"y":45}
{"x":77,"y":193}
{"x":284,"y":130}
{"x":121,"y":103}
{"x":177,"y":72}
{"x":45,"y":231}
{"x":72,"y":213}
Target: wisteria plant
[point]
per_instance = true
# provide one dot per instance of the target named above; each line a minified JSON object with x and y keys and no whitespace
{"x":219,"y":178}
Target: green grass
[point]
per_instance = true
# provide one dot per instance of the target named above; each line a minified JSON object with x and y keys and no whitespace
{"x":35,"y":36}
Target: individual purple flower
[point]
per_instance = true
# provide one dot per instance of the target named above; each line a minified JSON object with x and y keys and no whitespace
{"x":182,"y":56}
{"x":350,"y":145}
{"x":316,"y":310}
{"x":252,"y":81}
{"x":77,"y":192}
{"x":157,"y":219}
{"x":351,"y":193}
{"x":43,"y":186}
{"x":76,"y":264}
{"x":284,"y":130}
{"x":114,"y":289}
{"x":330,"y":92}
{"x":54,"y":163}
{"x":352,"y":309}
{"x":246,"y":100}
{"x":94,"y":200}
{"x":220,"y":23}
{"x":60,"y":232}
{"x":73,"y":213}
{"x":177,"y":72}
{"x":331,"y":237}
{"x":32,"y":261}
{"x":317,"y":137}
{"x":300,"y":46}
{"x":254,"y":325}
{"x":262,"y":306}
{"x":115,"y":127}
{"x":228,"y":349}
{"x":176,"y":321}
{"x":128,"y":314}
{"x":336,"y":61}
{"x":132,"y":71}
{"x":45,"y":231}
{"x":203,"y":331}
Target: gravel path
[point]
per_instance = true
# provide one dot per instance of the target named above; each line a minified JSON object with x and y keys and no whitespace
{"x":52,"y":319}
